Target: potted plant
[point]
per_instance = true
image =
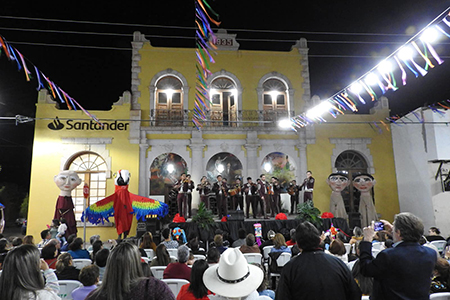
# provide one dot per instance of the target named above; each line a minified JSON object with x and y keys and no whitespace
{"x":205,"y":222}
{"x":307,"y":212}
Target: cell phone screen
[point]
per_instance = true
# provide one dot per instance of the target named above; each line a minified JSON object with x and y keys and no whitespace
{"x":379,"y":226}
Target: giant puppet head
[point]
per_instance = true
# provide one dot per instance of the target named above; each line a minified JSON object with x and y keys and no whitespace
{"x":363,"y":182}
{"x":338,"y":181}
{"x":122,"y":177}
{"x":67,"y":181}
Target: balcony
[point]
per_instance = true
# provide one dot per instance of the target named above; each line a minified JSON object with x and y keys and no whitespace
{"x":240,"y":118}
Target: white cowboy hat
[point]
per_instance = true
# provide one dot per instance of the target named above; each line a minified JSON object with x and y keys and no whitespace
{"x":233,"y":276}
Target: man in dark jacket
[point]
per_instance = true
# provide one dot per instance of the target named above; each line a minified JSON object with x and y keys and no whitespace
{"x":403,"y":271}
{"x":315,"y":274}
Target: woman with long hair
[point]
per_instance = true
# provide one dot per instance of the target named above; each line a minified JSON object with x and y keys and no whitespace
{"x":65,"y":269}
{"x":76,"y":249}
{"x":124,"y":279}
{"x":162,"y":257}
{"x":196,"y":289}
{"x":279,"y":244}
{"x":147,"y":243}
{"x":21,"y":276}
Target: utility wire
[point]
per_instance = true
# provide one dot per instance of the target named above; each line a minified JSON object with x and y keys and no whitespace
{"x":194,"y":28}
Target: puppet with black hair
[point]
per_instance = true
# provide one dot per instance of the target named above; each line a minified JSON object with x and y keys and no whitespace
{"x":122,"y":205}
{"x":364,"y":183}
{"x":338,"y":182}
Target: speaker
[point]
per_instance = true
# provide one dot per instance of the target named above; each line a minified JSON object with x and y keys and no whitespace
{"x":236,"y":215}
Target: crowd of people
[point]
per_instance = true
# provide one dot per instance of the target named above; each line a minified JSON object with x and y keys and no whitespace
{"x":320,"y":266}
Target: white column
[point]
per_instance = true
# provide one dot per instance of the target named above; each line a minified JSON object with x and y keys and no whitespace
{"x":253,"y":167}
{"x":143,"y":171}
{"x":197,"y":169}
{"x":303,"y":165}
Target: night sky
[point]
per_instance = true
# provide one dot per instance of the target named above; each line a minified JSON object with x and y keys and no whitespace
{"x":88,"y":52}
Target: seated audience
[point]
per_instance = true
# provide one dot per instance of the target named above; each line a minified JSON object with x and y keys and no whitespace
{"x":92,"y":240}
{"x":28,"y":240}
{"x":250,"y":245}
{"x":146,"y":269}
{"x":440,"y":282}
{"x":194,"y":245}
{"x":269,"y":241}
{"x":434,"y":234}
{"x":49,"y":253}
{"x":22,"y":279}
{"x":213,"y":256}
{"x":279,"y":244}
{"x":100,"y":260}
{"x":89,"y":277}
{"x":291,"y":242}
{"x":124,"y":278}
{"x":3,"y":250}
{"x":218,"y":242}
{"x":191,"y":259}
{"x":65,"y":269}
{"x":337,"y":249}
{"x":241,"y":241}
{"x":76,"y":249}
{"x":17,"y":241}
{"x":168,"y":242}
{"x":162,"y":257}
{"x":65,"y":246}
{"x":96,"y":246}
{"x":46,"y":237}
{"x":147,"y":243}
{"x":179,"y":270}
{"x":263,"y":288}
{"x":196,"y":289}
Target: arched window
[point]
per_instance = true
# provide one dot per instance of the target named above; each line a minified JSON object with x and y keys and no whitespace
{"x":223,"y":95}
{"x":92,"y":169}
{"x":169,"y":101}
{"x":274,"y":100}
{"x":350,"y":162}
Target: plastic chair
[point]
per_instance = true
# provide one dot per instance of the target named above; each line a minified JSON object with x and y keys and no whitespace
{"x":378,"y":246}
{"x":199,"y":256}
{"x":66,"y":287}
{"x":351,"y":264}
{"x":440,"y":296}
{"x":440,"y":245}
{"x":253,"y":257}
{"x":149,"y":253}
{"x":348,"y":247}
{"x":175,"y":284}
{"x":365,"y":298}
{"x":375,"y":252}
{"x":79,"y":263}
{"x":145,"y":259}
{"x":173,"y":252}
{"x":158,"y":271}
{"x":174,"y":258}
{"x":283,"y":259}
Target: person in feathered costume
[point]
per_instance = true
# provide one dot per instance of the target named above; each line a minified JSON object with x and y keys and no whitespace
{"x":122,"y":205}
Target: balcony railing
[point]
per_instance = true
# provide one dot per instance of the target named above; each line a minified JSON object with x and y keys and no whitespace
{"x":240,"y":118}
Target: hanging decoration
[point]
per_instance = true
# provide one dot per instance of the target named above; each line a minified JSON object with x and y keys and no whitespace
{"x":415,"y":57}
{"x":205,"y":45}
{"x":14,"y":55}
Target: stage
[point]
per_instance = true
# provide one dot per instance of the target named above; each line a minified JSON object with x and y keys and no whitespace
{"x":232,"y":227}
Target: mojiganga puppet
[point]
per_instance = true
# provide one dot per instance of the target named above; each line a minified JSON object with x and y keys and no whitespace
{"x":364,"y":182}
{"x":337,"y":182}
{"x":66,"y":181}
{"x":122,"y":205}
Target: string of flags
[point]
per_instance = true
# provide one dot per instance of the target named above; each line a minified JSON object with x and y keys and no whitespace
{"x":43,"y":82}
{"x":205,"y":39}
{"x":415,"y":58}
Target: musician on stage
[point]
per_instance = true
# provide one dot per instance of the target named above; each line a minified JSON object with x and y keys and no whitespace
{"x":308,"y":187}
{"x":203,"y":188}
{"x":236,"y":195}
{"x":182,"y":187}
{"x":293,"y":191}
{"x":250,"y":190}
{"x":189,"y":194}
{"x":221,"y":189}
{"x":264,"y":194}
{"x":275,"y":198}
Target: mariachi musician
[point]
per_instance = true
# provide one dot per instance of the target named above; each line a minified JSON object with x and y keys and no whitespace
{"x":237,"y":200}
{"x":275,"y":198}
{"x":182,"y":187}
{"x":264,"y":194}
{"x":189,"y":194}
{"x":250,"y":190}
{"x":293,"y":191}
{"x":308,"y":187}
{"x":203,"y":188}
{"x":221,"y":189}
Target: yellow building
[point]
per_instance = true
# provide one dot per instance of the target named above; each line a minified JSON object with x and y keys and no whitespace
{"x":150,"y":133}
